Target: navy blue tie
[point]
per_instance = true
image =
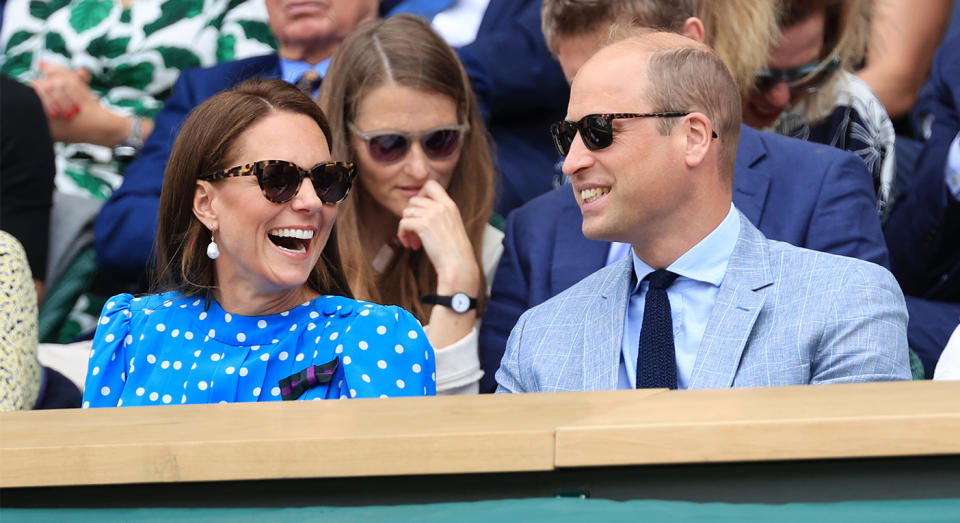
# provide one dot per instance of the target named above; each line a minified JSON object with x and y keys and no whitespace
{"x":656,"y":359}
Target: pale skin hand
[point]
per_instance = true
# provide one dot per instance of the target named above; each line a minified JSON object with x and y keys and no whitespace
{"x":432,"y":222}
{"x":74,"y":112}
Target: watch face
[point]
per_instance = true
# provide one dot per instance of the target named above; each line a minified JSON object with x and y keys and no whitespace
{"x":460,"y":302}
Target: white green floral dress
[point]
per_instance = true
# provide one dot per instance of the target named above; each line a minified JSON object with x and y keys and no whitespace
{"x":134,"y":56}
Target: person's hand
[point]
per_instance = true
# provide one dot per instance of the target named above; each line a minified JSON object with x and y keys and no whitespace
{"x":432,"y":222}
{"x":74,"y":112}
{"x":63,"y":92}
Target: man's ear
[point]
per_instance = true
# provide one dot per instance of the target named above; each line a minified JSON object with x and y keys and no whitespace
{"x":204,"y":198}
{"x":693,"y":28}
{"x":698,"y":136}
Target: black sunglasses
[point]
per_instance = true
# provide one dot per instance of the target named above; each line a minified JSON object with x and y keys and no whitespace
{"x":391,"y":146}
{"x":597,"y":129}
{"x":806,"y":78}
{"x":280,"y":180}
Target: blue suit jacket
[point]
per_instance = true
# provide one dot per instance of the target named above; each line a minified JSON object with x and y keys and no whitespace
{"x":126,"y":227}
{"x":923,"y":229}
{"x":522,"y":90}
{"x":783,"y":316}
{"x":806,"y":194}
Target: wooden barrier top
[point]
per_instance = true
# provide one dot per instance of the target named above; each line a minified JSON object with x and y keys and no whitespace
{"x":469,"y":434}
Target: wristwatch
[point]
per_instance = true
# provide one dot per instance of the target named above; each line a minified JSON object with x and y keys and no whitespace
{"x":128,"y":149}
{"x":458,"y":302}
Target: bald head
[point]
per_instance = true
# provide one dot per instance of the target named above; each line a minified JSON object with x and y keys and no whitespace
{"x":676,"y":74}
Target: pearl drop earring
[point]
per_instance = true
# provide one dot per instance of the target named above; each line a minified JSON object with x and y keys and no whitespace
{"x":213,"y":251}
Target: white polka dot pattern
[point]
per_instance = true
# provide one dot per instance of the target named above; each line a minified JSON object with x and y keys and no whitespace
{"x":382,"y":352}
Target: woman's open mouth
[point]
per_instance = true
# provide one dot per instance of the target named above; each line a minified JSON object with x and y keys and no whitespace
{"x":295,"y":241}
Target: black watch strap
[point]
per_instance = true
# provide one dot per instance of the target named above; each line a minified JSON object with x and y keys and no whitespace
{"x":458,"y":302}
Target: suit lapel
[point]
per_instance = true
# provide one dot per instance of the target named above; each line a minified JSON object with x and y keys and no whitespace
{"x":575,"y":256}
{"x":604,"y":328}
{"x":739,"y":302}
{"x":750,"y":185}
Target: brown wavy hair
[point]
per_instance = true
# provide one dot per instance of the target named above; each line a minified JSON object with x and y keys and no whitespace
{"x":403,"y":50}
{"x":203,"y":146}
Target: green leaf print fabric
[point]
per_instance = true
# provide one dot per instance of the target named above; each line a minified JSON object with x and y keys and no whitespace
{"x":134,"y":56}
{"x":104,"y":47}
{"x":173,"y":11}
{"x":88,"y":13}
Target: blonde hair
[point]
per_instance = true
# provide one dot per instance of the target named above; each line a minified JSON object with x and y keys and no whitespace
{"x":741,"y":32}
{"x":403,"y":50}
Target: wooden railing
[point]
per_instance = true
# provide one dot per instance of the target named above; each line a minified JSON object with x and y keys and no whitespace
{"x":471,"y":434}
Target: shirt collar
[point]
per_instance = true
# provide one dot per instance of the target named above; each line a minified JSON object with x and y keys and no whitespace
{"x":707,"y":260}
{"x":292,"y":70}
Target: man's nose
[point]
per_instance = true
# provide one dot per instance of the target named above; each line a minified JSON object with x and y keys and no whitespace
{"x":578,"y":157}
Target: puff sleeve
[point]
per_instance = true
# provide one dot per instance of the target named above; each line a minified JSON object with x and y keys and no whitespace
{"x":106,"y":372}
{"x":385,"y":353}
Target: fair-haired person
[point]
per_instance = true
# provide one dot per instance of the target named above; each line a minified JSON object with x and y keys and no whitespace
{"x":415,"y":231}
{"x":249,"y":303}
{"x":704,"y":299}
{"x":807,"y":89}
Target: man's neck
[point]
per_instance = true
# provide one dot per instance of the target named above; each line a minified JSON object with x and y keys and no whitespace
{"x":663,"y":243}
{"x":310,"y":54}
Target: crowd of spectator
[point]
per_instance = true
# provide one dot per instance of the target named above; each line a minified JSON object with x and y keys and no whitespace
{"x":217,"y":201}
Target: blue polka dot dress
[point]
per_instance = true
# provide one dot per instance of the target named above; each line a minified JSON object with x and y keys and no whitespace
{"x":166,"y":349}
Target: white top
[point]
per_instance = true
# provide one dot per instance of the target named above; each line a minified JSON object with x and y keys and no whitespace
{"x":948,"y":368}
{"x":458,"y":364}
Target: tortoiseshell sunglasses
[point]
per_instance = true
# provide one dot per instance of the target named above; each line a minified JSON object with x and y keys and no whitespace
{"x":280,"y":180}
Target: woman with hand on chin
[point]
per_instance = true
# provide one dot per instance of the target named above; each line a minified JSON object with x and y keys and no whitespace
{"x":248,"y":269}
{"x":415,"y":231}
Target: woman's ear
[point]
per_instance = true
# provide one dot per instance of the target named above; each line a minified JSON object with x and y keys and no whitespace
{"x":204,"y":196}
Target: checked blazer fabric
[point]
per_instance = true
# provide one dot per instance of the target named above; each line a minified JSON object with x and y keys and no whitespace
{"x":783,"y":316}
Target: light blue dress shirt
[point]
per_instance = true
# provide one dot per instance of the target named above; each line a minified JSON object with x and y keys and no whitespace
{"x":692,"y":296}
{"x":292,"y":70}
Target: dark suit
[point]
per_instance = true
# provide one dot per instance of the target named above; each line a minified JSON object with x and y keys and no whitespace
{"x":521,"y":90}
{"x":923,"y":229}
{"x":806,"y":194}
{"x":126,"y":227}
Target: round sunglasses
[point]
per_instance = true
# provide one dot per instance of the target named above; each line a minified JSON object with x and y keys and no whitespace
{"x":596,"y":130}
{"x":805,"y":78}
{"x":280,"y":180}
{"x":385,"y":147}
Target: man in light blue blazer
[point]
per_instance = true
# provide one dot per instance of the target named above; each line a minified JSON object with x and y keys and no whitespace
{"x":704,"y":299}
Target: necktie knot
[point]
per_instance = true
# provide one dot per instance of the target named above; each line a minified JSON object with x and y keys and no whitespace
{"x":661,"y":279}
{"x":308,"y":82}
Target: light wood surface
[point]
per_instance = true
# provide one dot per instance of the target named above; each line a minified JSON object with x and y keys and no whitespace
{"x":470,"y":434}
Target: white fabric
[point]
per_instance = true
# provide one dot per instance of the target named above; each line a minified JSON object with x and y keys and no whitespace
{"x":69,"y":359}
{"x":952,"y":172}
{"x":458,"y":364}
{"x":459,"y":24}
{"x":948,"y":368}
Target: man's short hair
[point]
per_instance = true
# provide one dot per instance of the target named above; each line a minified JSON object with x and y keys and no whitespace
{"x":565,"y":18}
{"x":694,"y":79}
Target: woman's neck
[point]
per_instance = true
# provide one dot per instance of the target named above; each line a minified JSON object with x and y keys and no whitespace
{"x":243,"y":300}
